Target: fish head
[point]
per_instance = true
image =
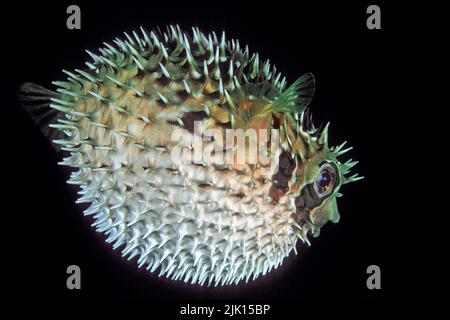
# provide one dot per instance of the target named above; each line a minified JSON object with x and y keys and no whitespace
{"x":319,"y":181}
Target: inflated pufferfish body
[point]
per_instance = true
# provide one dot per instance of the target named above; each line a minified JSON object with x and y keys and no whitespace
{"x":206,"y":223}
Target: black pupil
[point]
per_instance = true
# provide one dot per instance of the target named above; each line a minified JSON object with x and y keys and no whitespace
{"x":324,"y":179}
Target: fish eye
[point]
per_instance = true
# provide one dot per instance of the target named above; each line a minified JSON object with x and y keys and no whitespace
{"x":325,"y":180}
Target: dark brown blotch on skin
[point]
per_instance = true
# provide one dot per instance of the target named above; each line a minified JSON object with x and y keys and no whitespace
{"x":281,"y":178}
{"x":190,"y":118}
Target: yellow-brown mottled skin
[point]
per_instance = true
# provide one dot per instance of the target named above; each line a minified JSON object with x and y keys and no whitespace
{"x":196,"y":222}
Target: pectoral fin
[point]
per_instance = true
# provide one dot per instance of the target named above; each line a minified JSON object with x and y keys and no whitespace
{"x":297,"y":97}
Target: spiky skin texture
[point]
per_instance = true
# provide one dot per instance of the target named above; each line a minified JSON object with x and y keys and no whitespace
{"x":194,"y":222}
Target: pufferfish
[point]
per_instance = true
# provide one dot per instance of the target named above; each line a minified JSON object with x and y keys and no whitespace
{"x":204,"y":223}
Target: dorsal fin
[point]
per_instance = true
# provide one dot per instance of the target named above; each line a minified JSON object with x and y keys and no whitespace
{"x":35,"y":100}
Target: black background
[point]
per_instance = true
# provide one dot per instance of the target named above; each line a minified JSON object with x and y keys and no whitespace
{"x":365,"y":79}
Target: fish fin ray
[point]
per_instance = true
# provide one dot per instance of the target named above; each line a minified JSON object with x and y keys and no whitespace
{"x":297,"y":97}
{"x":35,"y":100}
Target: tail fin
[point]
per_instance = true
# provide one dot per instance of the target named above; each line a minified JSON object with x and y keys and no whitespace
{"x":35,"y":100}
